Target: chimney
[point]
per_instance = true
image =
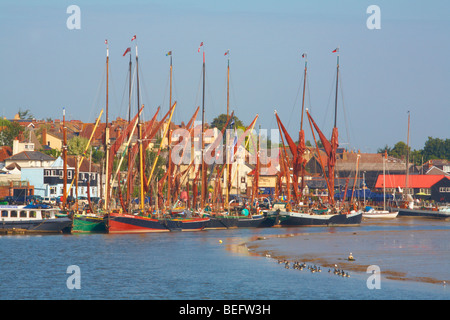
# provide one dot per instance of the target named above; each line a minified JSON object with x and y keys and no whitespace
{"x":44,"y":136}
{"x":15,"y":146}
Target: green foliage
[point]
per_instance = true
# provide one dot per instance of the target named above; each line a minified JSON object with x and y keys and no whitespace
{"x":435,"y":148}
{"x":25,"y":115}
{"x":76,"y":145}
{"x":52,"y":152}
{"x":400,"y":150}
{"x":97,"y":155}
{"x":8,"y":131}
{"x":219,"y":122}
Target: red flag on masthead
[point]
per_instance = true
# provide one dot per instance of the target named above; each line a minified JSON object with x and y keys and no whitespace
{"x":126,"y":51}
{"x":201,"y":44}
{"x":134,"y":38}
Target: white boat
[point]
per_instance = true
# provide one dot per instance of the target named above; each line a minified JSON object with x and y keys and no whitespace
{"x":32,"y":219}
{"x":370,"y":212}
{"x":445,"y":210}
{"x":380,"y":214}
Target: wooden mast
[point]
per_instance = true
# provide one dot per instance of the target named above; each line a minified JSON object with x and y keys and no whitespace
{"x":106,"y":146}
{"x":407,"y":163}
{"x":334,"y":137}
{"x":228,"y":84}
{"x":141,"y":154}
{"x":129,"y":184}
{"x":64,"y":160}
{"x":228,"y":135}
{"x":301,"y":140}
{"x":169,"y":142}
{"x":204,"y":183}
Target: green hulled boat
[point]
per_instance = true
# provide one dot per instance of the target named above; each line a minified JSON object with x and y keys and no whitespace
{"x":88,"y":223}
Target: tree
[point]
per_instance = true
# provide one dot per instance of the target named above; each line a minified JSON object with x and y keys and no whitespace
{"x":97,"y":155}
{"x":436,"y":148}
{"x":219,"y":122}
{"x":25,"y":115}
{"x":76,"y":145}
{"x":400,"y":150}
{"x":386,"y":149}
{"x":9,"y":131}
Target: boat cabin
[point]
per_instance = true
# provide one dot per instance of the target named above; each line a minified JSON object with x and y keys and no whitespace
{"x":22,"y":213}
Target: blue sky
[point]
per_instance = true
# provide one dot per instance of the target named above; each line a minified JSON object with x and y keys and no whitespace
{"x":385,"y":73}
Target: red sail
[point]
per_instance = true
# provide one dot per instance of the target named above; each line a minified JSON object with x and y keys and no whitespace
{"x":330,"y":150}
{"x":120,"y":140}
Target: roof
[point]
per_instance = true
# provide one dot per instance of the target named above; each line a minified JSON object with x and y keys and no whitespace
{"x":12,"y":166}
{"x":414,"y":181}
{"x":72,"y":162}
{"x":369,"y":162}
{"x":5,"y":152}
{"x":437,"y":171}
{"x":30,"y":155}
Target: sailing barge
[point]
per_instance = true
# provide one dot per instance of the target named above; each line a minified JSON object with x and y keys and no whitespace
{"x":296,"y":215}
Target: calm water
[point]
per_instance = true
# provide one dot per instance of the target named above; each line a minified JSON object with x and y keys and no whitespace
{"x":232,"y":264}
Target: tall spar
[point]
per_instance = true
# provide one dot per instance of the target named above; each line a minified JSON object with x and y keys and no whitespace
{"x":106,"y":142}
{"x":169,"y":142}
{"x":203,"y":171}
{"x":141,"y":152}
{"x":227,"y":132}
{"x":301,"y":139}
{"x":64,"y":160}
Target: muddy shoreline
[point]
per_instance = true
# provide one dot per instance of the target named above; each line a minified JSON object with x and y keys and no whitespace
{"x":291,"y":247}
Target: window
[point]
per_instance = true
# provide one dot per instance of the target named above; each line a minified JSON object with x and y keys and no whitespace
{"x":53,"y":172}
{"x":32,"y":214}
{"x":61,"y":174}
{"x":23,"y":214}
{"x":13,"y":214}
{"x":4,"y":214}
{"x":52,"y":190}
{"x":69,"y":174}
{"x":425,"y":190}
{"x":444,"y":189}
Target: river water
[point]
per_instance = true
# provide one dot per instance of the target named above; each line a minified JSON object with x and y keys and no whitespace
{"x":412,"y":257}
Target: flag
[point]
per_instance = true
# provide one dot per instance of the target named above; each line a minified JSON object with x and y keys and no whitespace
{"x":228,"y":52}
{"x":126,"y":51}
{"x":134,"y":38}
{"x":201,"y":44}
{"x":304,"y":55}
{"x":106,"y":41}
{"x":169,"y":53}
{"x":336,"y":50}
